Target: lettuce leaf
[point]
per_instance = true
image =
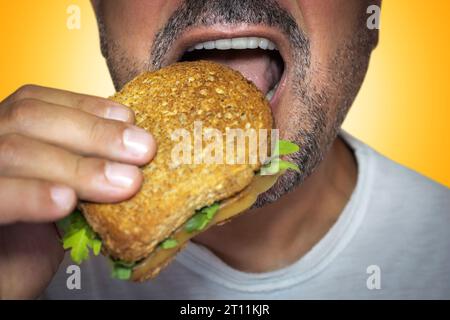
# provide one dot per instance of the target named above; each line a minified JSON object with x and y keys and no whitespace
{"x":285,"y":147}
{"x":79,"y":237}
{"x":201,"y":219}
{"x":169,"y":243}
{"x":275,"y":164}
{"x":122,"y":270}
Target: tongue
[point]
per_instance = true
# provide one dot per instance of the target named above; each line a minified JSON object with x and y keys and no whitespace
{"x":255,"y":65}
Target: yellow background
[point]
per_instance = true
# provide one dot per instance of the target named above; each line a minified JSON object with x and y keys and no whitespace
{"x":403,"y":109}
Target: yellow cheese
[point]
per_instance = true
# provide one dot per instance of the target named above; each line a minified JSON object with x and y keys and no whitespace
{"x":228,"y":209}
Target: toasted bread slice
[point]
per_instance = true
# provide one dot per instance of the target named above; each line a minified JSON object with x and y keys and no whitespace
{"x":166,"y":100}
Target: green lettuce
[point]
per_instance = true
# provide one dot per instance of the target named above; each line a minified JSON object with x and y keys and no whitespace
{"x":122,"y":270}
{"x":169,"y":243}
{"x":275,"y":164}
{"x":79,"y":237}
{"x":201,"y":218}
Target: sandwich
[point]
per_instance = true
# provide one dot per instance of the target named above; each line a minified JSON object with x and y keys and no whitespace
{"x":182,"y":196}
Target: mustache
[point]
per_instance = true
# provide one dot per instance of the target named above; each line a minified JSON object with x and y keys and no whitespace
{"x":196,"y":13}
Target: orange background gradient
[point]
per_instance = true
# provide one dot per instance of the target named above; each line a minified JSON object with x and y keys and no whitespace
{"x":402,"y":110}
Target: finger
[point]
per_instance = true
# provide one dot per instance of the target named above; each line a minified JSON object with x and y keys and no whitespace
{"x":30,"y":256}
{"x":93,"y":179}
{"x":34,"y":201}
{"x":98,"y":106}
{"x":78,"y":131}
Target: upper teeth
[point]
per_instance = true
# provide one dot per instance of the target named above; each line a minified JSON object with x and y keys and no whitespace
{"x":236,"y":43}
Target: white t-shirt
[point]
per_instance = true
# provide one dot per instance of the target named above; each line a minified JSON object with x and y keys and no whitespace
{"x":391,"y":241}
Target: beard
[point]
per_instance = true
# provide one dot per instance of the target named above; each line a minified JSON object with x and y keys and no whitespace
{"x":321,"y":93}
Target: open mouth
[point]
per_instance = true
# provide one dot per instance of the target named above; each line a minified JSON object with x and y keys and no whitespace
{"x":257,"y":58}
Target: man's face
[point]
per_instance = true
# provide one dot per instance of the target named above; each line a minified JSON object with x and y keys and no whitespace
{"x":321,"y":56}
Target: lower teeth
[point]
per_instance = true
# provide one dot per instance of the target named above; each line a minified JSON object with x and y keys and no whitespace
{"x":271,"y":92}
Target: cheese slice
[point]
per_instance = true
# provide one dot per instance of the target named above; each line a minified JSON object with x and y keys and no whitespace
{"x":228,"y":209}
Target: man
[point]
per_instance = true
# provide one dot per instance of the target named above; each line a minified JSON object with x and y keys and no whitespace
{"x":352,"y":224}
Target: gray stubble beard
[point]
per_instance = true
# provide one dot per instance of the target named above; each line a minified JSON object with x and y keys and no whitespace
{"x":318,"y":109}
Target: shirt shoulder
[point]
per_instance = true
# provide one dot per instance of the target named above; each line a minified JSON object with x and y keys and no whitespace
{"x":404,"y":231}
{"x":395,"y":186}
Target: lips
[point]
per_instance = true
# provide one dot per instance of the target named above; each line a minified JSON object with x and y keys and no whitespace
{"x":258,"y":55}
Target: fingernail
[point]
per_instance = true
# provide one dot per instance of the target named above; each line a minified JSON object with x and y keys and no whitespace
{"x":118,"y":113}
{"x":137,"y":141}
{"x":63,"y":197}
{"x":121,"y":175}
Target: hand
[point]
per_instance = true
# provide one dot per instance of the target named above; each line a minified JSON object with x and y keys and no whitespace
{"x":57,"y":147}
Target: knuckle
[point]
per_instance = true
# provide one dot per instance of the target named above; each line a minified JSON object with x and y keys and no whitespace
{"x":25,"y":91}
{"x":87,"y":171}
{"x":81,"y":102}
{"x":97,"y":130}
{"x":9,"y":146}
{"x":84,"y":168}
{"x":78,"y":167}
{"x":21,"y":111}
{"x":90,"y":104}
{"x":103,"y":131}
